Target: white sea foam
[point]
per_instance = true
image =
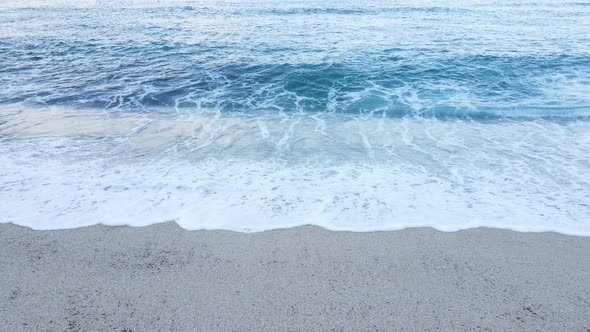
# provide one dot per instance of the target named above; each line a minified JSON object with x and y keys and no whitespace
{"x":65,"y":169}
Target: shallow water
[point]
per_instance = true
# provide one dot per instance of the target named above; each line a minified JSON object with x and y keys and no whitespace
{"x":259,"y":115}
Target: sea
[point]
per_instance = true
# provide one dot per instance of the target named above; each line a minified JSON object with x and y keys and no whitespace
{"x":255,"y":115}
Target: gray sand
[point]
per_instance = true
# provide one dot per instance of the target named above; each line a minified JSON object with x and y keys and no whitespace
{"x":164,"y":278}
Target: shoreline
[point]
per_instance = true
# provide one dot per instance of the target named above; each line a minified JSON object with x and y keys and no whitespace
{"x":162,"y":277}
{"x":68,"y":169}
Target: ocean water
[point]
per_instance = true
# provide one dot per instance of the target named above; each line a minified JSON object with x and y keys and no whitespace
{"x":256,"y":115}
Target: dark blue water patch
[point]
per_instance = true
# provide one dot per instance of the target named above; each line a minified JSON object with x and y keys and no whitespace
{"x":254,"y":9}
{"x":177,"y":75}
{"x":357,"y":11}
{"x":316,"y":11}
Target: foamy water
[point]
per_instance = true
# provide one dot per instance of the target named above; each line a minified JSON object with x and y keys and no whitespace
{"x":68,"y":169}
{"x":252,"y":116}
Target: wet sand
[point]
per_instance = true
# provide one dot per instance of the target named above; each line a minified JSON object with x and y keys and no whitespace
{"x":162,"y":277}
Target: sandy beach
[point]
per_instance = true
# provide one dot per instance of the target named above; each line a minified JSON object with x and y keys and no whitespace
{"x":162,"y":277}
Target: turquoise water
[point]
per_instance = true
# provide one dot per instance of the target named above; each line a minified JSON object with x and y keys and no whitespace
{"x":454,"y":59}
{"x":254,"y":115}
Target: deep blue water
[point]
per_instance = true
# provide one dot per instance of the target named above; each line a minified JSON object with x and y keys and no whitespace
{"x":255,"y":115}
{"x":400,"y":58}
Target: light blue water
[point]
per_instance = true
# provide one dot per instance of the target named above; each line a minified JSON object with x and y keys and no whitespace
{"x":253,"y":115}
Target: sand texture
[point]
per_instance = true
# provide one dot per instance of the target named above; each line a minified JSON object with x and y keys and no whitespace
{"x":163,"y":278}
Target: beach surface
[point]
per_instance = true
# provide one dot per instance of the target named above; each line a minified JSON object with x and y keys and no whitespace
{"x":162,"y":277}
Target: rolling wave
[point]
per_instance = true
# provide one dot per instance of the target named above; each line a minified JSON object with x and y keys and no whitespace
{"x":249,"y":116}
